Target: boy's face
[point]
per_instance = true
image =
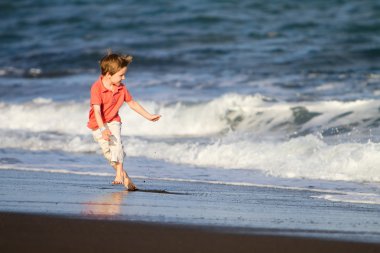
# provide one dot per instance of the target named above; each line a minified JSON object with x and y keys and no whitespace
{"x":118,"y":76}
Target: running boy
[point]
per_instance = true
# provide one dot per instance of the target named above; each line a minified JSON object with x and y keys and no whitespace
{"x":108,"y":94}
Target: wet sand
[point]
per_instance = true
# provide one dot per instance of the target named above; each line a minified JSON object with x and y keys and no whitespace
{"x":42,"y":233}
{"x":52,"y":212}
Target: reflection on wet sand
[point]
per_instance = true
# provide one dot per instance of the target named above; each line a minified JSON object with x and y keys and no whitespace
{"x":108,"y":205}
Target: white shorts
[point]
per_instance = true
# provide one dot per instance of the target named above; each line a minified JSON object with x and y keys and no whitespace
{"x":113,"y":149}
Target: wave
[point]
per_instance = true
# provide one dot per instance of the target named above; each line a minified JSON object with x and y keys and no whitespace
{"x":304,"y":157}
{"x":255,"y":114}
{"x":357,"y":198}
{"x":280,"y":139}
{"x":308,"y":157}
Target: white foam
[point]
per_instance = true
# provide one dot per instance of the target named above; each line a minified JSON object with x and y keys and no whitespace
{"x":303,"y":157}
{"x":255,"y":140}
{"x":351,"y":197}
{"x":255,"y":114}
{"x":44,"y":115}
{"x":47,"y":142}
{"x":59,"y":171}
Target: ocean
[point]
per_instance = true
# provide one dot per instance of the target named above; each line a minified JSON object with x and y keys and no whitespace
{"x":276,"y":94}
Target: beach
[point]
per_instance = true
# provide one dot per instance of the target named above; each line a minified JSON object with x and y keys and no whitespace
{"x":44,"y":233}
{"x":46,"y":211}
{"x":269,"y":138}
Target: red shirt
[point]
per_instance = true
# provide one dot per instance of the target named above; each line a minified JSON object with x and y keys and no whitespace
{"x":110,"y":102}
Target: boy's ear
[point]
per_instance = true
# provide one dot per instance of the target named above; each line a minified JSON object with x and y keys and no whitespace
{"x":107,"y":75}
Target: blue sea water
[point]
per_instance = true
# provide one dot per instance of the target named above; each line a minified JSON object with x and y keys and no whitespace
{"x":273,"y":93}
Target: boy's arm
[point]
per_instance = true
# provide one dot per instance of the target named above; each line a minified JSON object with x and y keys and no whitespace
{"x":106,"y":133}
{"x":140,"y":110}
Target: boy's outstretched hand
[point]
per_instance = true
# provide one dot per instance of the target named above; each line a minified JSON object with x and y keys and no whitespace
{"x":154,"y":117}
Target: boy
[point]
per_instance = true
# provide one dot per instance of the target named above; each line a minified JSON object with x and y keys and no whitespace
{"x":108,"y":94}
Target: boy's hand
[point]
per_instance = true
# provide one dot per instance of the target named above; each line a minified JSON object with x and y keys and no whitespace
{"x":154,"y":117}
{"x":106,"y":134}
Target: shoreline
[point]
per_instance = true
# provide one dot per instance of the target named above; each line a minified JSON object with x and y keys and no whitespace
{"x":245,"y":211}
{"x":47,"y":233}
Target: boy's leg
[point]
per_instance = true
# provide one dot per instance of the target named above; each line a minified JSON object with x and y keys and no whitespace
{"x":104,"y":145}
{"x":115,"y":144}
{"x":113,"y":149}
{"x":117,"y":151}
{"x":119,"y":177}
{"x":118,"y":154}
{"x":126,"y":179}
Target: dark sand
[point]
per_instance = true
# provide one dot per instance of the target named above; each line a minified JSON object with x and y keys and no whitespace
{"x":42,"y":233}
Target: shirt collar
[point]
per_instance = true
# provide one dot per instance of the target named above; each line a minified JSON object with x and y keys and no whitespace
{"x":104,"y":89}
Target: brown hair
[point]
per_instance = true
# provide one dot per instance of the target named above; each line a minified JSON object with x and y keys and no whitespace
{"x":112,"y":63}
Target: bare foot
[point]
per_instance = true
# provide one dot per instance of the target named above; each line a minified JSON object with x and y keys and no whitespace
{"x":119,"y":179}
{"x":129,"y":184}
